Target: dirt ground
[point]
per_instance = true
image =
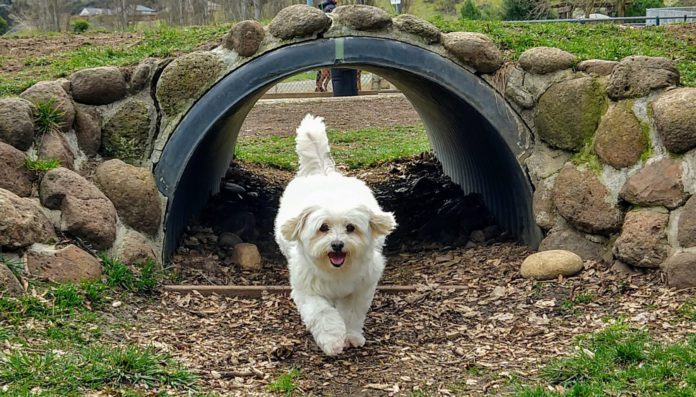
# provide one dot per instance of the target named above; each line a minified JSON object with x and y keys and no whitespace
{"x":281,"y":116}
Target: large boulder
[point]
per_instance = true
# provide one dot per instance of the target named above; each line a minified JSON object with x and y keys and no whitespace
{"x":599,"y":67}
{"x":65,"y":265}
{"x":542,"y":60}
{"x":475,"y":50}
{"x":134,"y":194}
{"x":55,"y":147}
{"x":126,"y":132}
{"x":548,"y":265}
{"x":568,"y":113}
{"x":52,"y":91}
{"x":658,"y":183}
{"x":85,"y":211}
{"x":299,"y":20}
{"x":88,"y":129}
{"x":98,"y":86}
{"x":134,"y":248}
{"x":565,"y":238}
{"x":245,"y":38}
{"x":620,"y":140}
{"x":17,"y":122}
{"x":419,"y":27}
{"x":363,"y":17}
{"x":675,"y":119}
{"x":14,"y":175}
{"x":643,"y":239}
{"x":8,"y":282}
{"x":686,"y":227}
{"x":21,"y":222}
{"x":681,"y":270}
{"x":185,"y":79}
{"x":636,"y":76}
{"x":581,"y":198}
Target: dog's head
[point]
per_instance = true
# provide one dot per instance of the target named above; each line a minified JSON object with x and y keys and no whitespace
{"x":334,"y":239}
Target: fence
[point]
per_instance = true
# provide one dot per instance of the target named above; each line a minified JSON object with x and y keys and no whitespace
{"x":656,"y":20}
{"x":683,"y":14}
{"x":304,"y":85}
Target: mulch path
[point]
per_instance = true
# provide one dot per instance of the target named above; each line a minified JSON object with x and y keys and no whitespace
{"x":471,"y":342}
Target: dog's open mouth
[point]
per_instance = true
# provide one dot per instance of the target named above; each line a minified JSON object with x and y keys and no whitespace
{"x":337,"y":258}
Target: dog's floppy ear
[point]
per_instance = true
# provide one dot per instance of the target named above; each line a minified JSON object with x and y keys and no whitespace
{"x":382,"y":223}
{"x":292,"y":228}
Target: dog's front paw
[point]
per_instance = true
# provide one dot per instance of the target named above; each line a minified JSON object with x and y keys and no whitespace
{"x":331,"y":345}
{"x":354,"y":340}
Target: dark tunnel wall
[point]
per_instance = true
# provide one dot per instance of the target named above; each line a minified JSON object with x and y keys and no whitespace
{"x":472,"y":129}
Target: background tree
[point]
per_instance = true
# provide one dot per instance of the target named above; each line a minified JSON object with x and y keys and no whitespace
{"x":470,"y":10}
{"x":638,"y":7}
{"x":526,"y":9}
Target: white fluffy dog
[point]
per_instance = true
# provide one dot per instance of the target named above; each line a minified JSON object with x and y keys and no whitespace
{"x":331,"y":230}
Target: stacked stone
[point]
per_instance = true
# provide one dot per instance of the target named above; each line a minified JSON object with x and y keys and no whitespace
{"x":613,"y":164}
{"x":101,"y":112}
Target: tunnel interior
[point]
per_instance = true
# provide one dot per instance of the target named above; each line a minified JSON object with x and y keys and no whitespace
{"x":473,"y":131}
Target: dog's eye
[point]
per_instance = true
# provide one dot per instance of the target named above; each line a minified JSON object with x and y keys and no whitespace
{"x":350,"y":228}
{"x":324,"y":228}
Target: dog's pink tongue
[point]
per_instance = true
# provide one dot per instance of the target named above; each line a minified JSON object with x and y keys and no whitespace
{"x":337,"y":258}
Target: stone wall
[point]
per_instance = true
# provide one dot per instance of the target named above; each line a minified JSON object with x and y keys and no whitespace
{"x":613,"y":160}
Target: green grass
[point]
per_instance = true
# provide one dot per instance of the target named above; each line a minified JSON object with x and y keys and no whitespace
{"x":48,"y":117}
{"x":285,"y":383}
{"x":309,"y":75}
{"x":361,"y":148}
{"x":622,"y":361}
{"x":141,"y":278}
{"x":590,"y":41}
{"x":39,"y":165}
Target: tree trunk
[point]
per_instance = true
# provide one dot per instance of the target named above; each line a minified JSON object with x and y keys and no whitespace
{"x":257,"y":10}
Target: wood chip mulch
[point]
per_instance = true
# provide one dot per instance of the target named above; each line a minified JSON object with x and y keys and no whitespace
{"x":472,"y":342}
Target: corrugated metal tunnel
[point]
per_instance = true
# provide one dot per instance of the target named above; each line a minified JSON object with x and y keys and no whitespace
{"x":474,"y":132}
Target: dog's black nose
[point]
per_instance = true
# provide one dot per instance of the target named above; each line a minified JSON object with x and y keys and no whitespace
{"x":337,"y":246}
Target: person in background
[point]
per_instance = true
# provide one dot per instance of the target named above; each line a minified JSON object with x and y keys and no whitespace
{"x":324,"y":75}
{"x":327,"y":5}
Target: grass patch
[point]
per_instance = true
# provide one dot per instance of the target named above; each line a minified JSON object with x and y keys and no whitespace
{"x":285,"y":383}
{"x":48,"y":117}
{"x":622,"y":361}
{"x":361,"y":148}
{"x":309,"y":75}
{"x":39,"y":165}
{"x":142,"y":278}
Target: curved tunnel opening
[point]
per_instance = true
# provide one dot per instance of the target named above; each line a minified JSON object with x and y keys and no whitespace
{"x":473,"y":131}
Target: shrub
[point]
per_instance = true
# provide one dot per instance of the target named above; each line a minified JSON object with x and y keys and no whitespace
{"x":470,"y":10}
{"x":638,"y":7}
{"x":3,"y":25}
{"x":80,"y":26}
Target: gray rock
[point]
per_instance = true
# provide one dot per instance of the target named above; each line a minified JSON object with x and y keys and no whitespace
{"x":65,"y":265}
{"x":681,"y":270}
{"x":88,"y":129}
{"x":599,"y":67}
{"x":134,"y":248}
{"x":474,"y":49}
{"x":17,"y":122}
{"x":544,"y":162}
{"x":657,"y":184}
{"x":98,"y":86}
{"x":419,"y":27}
{"x":477,"y":236}
{"x":141,"y":78}
{"x":85,"y":211}
{"x":134,"y":194}
{"x":245,"y":38}
{"x":185,"y":79}
{"x":620,"y":140}
{"x":636,"y":76}
{"x":580,"y":198}
{"x":565,"y":238}
{"x":643,"y":239}
{"x":22,"y":223}
{"x":126,"y":132}
{"x":229,"y":240}
{"x":299,"y":20}
{"x":542,"y":60}
{"x":55,"y":147}
{"x":569,"y":112}
{"x":363,"y":17}
{"x":47,"y":91}
{"x":14,"y":175}
{"x":686,"y":227}
{"x":549,"y":265}
{"x":542,"y":205}
{"x":8,"y":282}
{"x":675,"y":119}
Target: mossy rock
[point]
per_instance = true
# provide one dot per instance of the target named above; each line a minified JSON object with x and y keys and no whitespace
{"x":620,"y":140}
{"x":126,"y":132}
{"x":185,"y":79}
{"x":569,"y":112}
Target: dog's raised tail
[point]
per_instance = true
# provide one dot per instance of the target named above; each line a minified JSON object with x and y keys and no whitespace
{"x":312,"y":146}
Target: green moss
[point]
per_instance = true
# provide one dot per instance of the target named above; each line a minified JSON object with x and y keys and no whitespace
{"x":185,"y":79}
{"x":126,"y":132}
{"x":648,"y":152}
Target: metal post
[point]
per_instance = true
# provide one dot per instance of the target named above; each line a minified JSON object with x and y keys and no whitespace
{"x":684,"y":17}
{"x":657,"y":20}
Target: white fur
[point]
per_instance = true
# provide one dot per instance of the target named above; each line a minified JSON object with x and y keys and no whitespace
{"x":332,"y":301}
